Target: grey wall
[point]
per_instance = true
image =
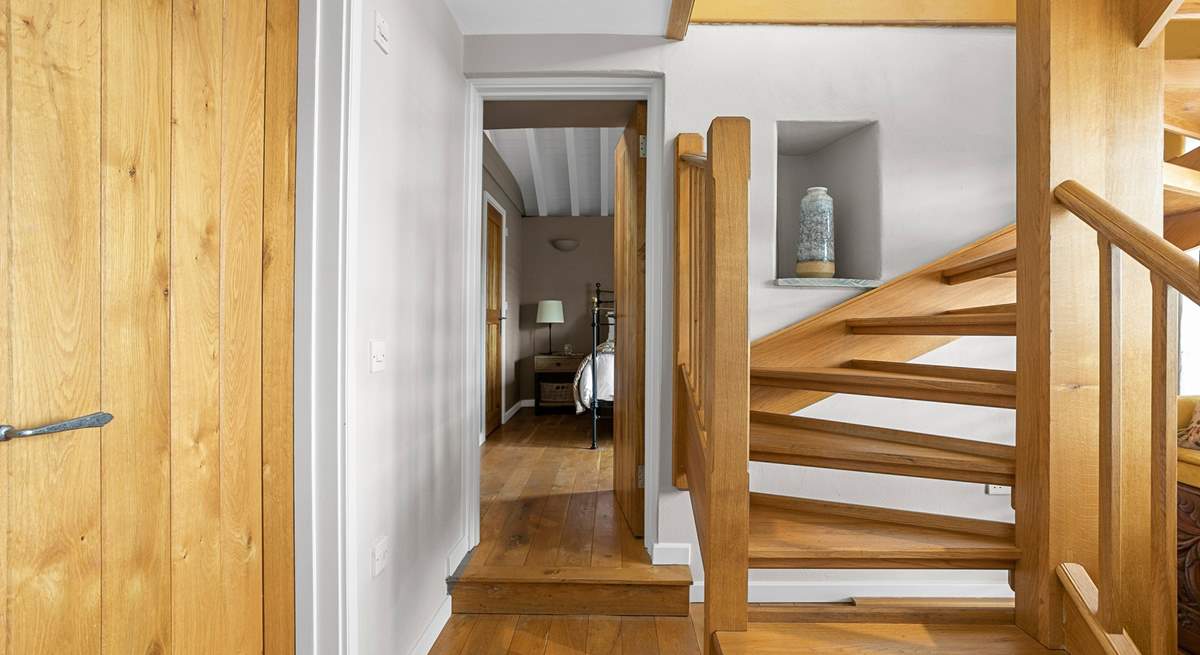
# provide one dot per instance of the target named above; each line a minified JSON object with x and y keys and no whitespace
{"x":549,"y":274}
{"x":406,"y":425}
{"x":944,"y":99}
{"x":499,"y":182}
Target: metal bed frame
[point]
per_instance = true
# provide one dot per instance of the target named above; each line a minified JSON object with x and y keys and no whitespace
{"x":603,"y":302}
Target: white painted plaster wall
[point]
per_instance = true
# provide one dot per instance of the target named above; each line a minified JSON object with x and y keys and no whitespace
{"x":944,"y":99}
{"x":406,"y":284}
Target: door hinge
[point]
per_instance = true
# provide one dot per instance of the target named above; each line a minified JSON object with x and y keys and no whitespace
{"x":641,"y":476}
{"x":642,"y":146}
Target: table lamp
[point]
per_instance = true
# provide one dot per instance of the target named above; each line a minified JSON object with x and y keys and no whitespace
{"x":550,"y":312}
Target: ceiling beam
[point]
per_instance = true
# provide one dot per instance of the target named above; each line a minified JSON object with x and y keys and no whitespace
{"x":572,"y":169}
{"x":605,"y":172}
{"x":1153,"y":16}
{"x":539,"y":182}
{"x":679,"y":18}
{"x":861,"y":12}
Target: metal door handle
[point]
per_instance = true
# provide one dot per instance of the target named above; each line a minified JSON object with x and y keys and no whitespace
{"x":96,"y":420}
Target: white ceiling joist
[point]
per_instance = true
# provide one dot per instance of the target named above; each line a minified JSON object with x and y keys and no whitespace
{"x":539,"y":182}
{"x":605,"y":172}
{"x":572,"y":170}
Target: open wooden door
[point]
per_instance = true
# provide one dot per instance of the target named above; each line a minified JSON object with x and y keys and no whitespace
{"x":629,"y":272}
{"x":147,"y":157}
{"x":494,"y":264}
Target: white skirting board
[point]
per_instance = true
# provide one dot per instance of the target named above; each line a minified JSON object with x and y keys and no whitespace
{"x":830,"y":592}
{"x":430,"y":634}
{"x":456,"y":555}
{"x":512,"y":411}
{"x":667,"y":553}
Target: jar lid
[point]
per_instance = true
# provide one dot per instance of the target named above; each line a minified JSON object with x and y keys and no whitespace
{"x":817,"y":188}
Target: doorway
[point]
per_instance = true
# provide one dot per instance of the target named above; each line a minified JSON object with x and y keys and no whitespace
{"x":657,"y":286}
{"x":562,"y":479}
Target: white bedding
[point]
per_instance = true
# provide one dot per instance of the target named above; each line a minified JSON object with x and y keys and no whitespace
{"x":606,"y":355}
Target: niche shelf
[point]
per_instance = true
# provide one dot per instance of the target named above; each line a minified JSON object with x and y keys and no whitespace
{"x":842,"y":156}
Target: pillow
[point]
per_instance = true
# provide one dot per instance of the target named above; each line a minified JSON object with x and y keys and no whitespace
{"x":1189,"y":435}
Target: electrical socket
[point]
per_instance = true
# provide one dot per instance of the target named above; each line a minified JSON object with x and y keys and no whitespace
{"x":997,"y":490}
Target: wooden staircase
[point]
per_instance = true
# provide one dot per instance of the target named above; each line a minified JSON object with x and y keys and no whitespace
{"x":862,"y":347}
{"x":865,"y":346}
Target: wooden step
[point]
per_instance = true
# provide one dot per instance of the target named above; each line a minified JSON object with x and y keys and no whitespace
{"x":992,"y":265}
{"x":802,"y":441}
{"x":1003,"y":308}
{"x":1181,"y":189}
{"x":877,"y":639}
{"x":798,"y":533}
{"x":973,"y":611}
{"x":987,"y":324}
{"x":616,"y":591}
{"x":937,"y":385}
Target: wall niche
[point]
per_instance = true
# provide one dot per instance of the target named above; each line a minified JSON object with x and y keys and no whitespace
{"x":842,"y":156}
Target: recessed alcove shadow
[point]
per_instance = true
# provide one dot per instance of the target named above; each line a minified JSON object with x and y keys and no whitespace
{"x":842,"y":156}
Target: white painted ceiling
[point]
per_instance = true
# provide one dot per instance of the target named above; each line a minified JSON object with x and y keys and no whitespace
{"x":561,"y":171}
{"x":561,"y":16}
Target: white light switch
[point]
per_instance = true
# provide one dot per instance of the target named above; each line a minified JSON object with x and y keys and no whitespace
{"x":380,"y":555}
{"x":383,"y":34}
{"x":378,"y":350}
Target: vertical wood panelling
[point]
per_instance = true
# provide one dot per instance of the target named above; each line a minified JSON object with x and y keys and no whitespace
{"x":242,"y":139}
{"x":147,"y":177}
{"x":6,"y":372}
{"x":54,"y":540}
{"x":279,"y":214}
{"x":195,"y":326}
{"x":136,"y":191}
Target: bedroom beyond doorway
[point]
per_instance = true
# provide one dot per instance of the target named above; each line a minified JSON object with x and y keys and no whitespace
{"x":563,"y":220}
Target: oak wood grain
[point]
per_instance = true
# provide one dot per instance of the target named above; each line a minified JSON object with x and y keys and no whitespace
{"x":135,"y":341}
{"x":279,"y":236}
{"x":54,"y":485}
{"x":243,"y":82}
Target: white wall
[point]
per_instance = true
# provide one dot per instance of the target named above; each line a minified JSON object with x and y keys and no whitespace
{"x":406,"y":267}
{"x":944,"y":100}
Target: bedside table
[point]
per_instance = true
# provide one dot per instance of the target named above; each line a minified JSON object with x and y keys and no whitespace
{"x":553,"y":383}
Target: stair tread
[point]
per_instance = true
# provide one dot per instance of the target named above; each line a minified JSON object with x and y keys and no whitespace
{"x":799,"y":533}
{"x":938,"y":319}
{"x":997,"y":264}
{"x":877,"y":638}
{"x":937,"y":388}
{"x":999,"y":324}
{"x":939,"y":610}
{"x":803,"y":441}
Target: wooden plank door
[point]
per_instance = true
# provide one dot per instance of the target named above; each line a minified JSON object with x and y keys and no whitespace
{"x":494,"y":264}
{"x":146,"y":219}
{"x":629,"y":272}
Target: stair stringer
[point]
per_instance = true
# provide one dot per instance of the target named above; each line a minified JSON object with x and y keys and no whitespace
{"x":824,"y":340}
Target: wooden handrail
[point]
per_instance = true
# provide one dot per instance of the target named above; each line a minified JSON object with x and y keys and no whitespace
{"x":1172,"y":273}
{"x":712,"y":359}
{"x":1135,"y":239}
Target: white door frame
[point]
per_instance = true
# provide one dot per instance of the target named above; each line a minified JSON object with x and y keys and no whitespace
{"x":658,"y":233}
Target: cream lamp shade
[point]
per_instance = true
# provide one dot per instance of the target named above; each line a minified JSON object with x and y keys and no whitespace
{"x":550,"y":311}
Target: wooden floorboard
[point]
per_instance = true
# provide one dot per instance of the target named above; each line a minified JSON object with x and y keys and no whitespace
{"x":568,"y":635}
{"x":552,"y":541}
